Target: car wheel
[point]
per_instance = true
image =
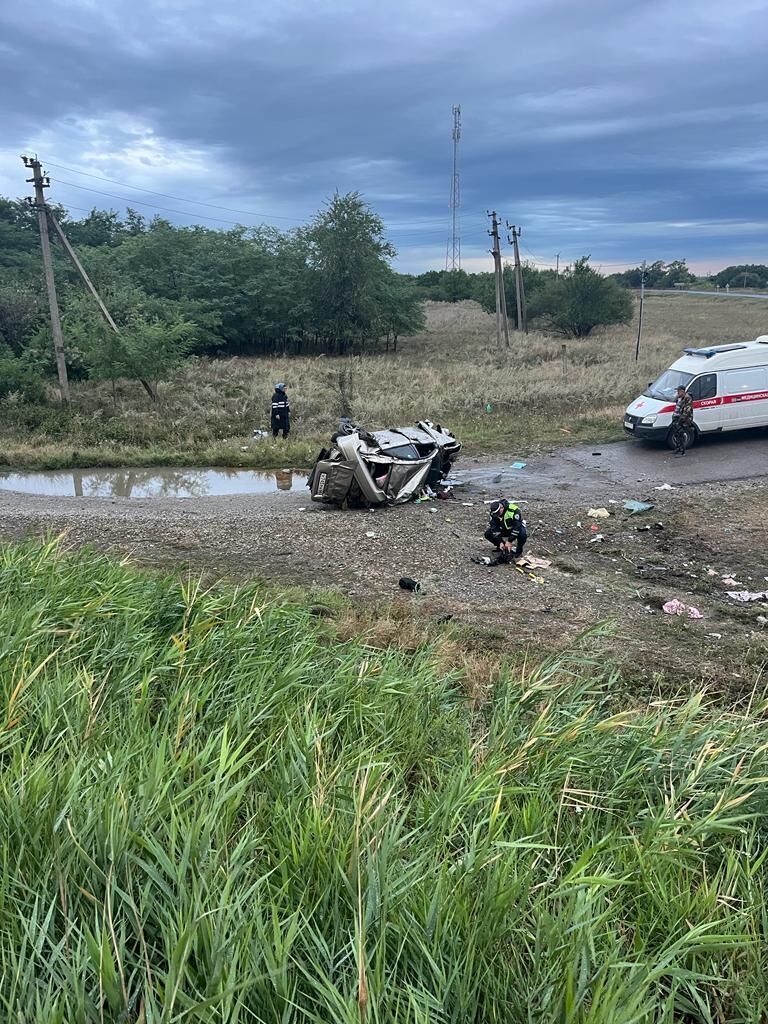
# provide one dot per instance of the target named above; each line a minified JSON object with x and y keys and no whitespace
{"x":691,"y":436}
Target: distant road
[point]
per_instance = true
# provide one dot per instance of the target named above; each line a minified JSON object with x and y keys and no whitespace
{"x":692,"y":291}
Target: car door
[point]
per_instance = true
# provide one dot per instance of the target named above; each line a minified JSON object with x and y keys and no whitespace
{"x":745,"y":397}
{"x":707,"y":404}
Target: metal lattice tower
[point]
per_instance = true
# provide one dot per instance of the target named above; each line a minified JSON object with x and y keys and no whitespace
{"x":453,"y":249}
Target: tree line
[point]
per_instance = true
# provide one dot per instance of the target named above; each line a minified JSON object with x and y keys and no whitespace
{"x":327,"y":287}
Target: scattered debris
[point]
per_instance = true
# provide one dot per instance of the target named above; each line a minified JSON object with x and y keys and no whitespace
{"x":598,"y":513}
{"x":664,"y":487}
{"x":597,"y":453}
{"x":596,"y":539}
{"x":518,"y":465}
{"x":729,"y":581}
{"x":467,"y":504}
{"x":711,"y":572}
{"x":747,"y":595}
{"x":371,"y":534}
{"x":635,"y":507}
{"x":302,"y":508}
{"x":762,"y":620}
{"x":714,"y":636}
{"x":532,"y":562}
{"x":406,"y":583}
{"x":675,"y":607}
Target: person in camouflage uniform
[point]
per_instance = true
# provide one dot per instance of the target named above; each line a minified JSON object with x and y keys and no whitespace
{"x":682,"y":420}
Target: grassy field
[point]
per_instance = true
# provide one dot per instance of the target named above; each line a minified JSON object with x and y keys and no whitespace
{"x":216,"y":809}
{"x":449,"y":374}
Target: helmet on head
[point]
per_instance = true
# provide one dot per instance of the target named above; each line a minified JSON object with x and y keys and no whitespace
{"x":279,"y":387}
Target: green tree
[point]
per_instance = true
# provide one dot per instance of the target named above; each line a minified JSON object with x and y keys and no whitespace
{"x":580,"y":300}
{"x":744,"y":275}
{"x":152,"y":349}
{"x":401,"y":309}
{"x":21,"y":314}
{"x":348,"y":259}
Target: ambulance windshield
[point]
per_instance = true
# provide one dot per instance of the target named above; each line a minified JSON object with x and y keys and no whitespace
{"x":664,"y":386}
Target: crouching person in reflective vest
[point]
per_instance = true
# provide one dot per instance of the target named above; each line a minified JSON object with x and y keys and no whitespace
{"x":506,"y":530}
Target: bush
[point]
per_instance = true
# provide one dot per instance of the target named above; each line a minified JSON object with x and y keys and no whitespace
{"x":17,"y":378}
{"x":580,"y":300}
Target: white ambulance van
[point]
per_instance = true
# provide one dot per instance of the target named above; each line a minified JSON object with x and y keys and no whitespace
{"x":728,"y":385}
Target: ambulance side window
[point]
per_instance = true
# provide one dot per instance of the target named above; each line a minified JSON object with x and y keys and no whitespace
{"x":704,"y":386}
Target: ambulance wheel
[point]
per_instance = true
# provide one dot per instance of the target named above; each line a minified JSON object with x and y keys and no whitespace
{"x":692,"y":435}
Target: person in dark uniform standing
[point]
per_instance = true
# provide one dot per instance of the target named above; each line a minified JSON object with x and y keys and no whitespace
{"x":682,"y":420}
{"x":281,"y":412}
{"x":506,"y":530}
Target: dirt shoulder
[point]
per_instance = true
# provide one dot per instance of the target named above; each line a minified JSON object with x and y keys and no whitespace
{"x":709,"y":531}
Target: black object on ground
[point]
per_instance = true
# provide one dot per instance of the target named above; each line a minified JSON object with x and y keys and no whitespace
{"x":406,"y":583}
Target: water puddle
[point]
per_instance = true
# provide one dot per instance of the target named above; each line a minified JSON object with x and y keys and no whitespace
{"x":152,"y":483}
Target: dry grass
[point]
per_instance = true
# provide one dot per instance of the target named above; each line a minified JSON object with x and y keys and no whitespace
{"x":450,"y":373}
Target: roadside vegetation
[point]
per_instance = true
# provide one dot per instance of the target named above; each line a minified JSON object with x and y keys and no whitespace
{"x":450,"y":372}
{"x":214,"y":809}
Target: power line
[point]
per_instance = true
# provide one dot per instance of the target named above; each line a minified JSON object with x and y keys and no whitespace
{"x":166,"y":195}
{"x":152,"y":206}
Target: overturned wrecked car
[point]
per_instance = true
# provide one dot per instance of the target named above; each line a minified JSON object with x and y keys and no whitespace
{"x":383,"y":467}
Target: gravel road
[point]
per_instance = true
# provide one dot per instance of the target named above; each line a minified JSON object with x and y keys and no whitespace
{"x":713,"y":520}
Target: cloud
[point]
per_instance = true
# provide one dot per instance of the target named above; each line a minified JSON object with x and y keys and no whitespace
{"x":623,"y":130}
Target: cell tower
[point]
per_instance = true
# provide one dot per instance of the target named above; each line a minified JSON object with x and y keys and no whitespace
{"x":453,"y":249}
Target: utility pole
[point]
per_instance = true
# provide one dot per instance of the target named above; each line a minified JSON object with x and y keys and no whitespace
{"x":640,"y":315}
{"x":557,"y":264}
{"x":522,"y":313}
{"x":501,"y":299}
{"x":40,"y":182}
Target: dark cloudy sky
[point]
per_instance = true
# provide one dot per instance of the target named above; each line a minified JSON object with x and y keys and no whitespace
{"x":621,"y":129}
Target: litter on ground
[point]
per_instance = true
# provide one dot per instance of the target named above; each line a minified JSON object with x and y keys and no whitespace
{"x":664,"y":487}
{"x":406,"y":583}
{"x":518,"y":465}
{"x":675,"y":607}
{"x":729,"y":581}
{"x":747,"y":595}
{"x":532,"y":562}
{"x":596,"y":539}
{"x":598,"y":513}
{"x":634,"y":507}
